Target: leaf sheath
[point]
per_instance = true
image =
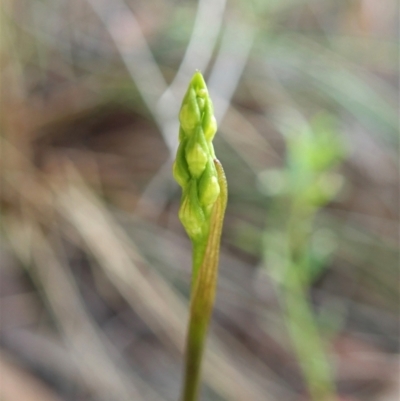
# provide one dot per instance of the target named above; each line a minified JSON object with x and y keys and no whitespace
{"x":203,"y":294}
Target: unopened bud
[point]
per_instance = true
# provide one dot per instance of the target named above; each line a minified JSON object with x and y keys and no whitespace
{"x":208,"y":188}
{"x":191,"y":214}
{"x":194,"y":168}
{"x":189,"y":116}
{"x":209,"y":122}
{"x":197,"y":153}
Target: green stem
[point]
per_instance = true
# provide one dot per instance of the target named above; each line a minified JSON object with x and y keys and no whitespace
{"x":203,"y":292}
{"x":302,"y":327}
{"x":198,"y":251}
{"x":307,"y":341}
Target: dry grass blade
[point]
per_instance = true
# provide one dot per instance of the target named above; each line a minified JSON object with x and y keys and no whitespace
{"x":209,"y":18}
{"x":151,"y":297}
{"x":158,"y":305}
{"x":226,"y":65}
{"x":99,"y":365}
{"x":17,"y":384}
{"x":132,"y":47}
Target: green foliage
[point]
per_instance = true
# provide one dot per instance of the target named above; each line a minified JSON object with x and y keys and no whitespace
{"x":312,"y":153}
{"x":295,"y":257}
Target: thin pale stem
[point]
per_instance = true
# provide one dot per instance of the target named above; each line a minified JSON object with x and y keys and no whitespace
{"x":203,"y":293}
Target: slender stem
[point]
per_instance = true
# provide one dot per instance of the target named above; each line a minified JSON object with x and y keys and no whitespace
{"x":198,"y":251}
{"x":203,"y":292}
{"x":307,"y":341}
{"x":300,"y":320}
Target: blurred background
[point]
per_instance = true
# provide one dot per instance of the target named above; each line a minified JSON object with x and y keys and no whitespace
{"x":95,"y":266}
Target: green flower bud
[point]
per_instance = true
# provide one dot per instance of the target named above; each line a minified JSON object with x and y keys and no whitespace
{"x":191,"y":214}
{"x":208,"y":187}
{"x":209,"y":122}
{"x":196,"y":158}
{"x":201,"y":102}
{"x":197,"y":153}
{"x":189,"y":116}
{"x":180,"y":168}
{"x":194,"y":168}
{"x":197,"y":82}
{"x":202,"y":92}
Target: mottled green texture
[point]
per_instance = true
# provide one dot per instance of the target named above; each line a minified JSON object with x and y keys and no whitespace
{"x":194,"y":167}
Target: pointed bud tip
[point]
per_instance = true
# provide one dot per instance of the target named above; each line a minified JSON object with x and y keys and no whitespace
{"x":198,"y":82}
{"x":196,"y":159}
{"x":209,"y":191}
